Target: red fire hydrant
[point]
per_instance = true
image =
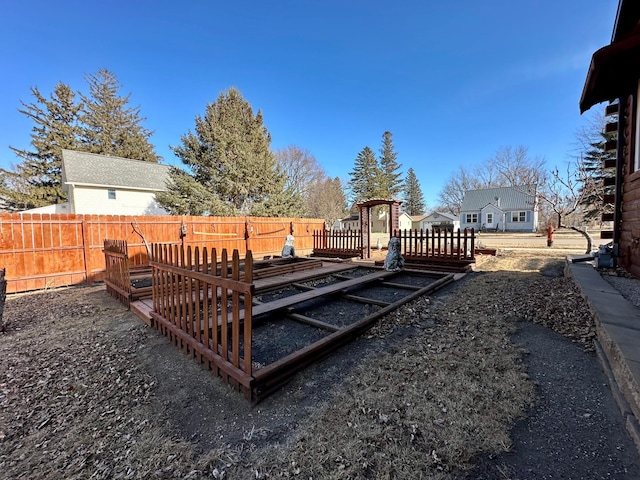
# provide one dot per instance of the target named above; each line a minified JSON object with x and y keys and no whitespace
{"x":550,"y":236}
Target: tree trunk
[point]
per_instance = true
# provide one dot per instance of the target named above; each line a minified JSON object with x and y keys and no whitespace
{"x":585,"y":234}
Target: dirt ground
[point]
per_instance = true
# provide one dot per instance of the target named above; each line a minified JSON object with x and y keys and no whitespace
{"x":87,"y":390}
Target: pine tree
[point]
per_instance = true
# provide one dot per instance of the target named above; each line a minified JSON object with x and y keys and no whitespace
{"x":229,"y":155}
{"x":593,"y":174}
{"x":110,"y":126}
{"x":391,"y":178}
{"x":365,"y":176}
{"x":188,"y":197}
{"x":413,"y":197}
{"x":36,"y":181}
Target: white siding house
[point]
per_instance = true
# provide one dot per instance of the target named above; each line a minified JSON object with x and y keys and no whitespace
{"x":405,"y":221}
{"x":102,"y":184}
{"x":440,"y":220}
{"x":512,"y":209}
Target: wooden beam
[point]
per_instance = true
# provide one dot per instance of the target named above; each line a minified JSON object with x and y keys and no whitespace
{"x":319,"y":292}
{"x":611,"y":146}
{"x":313,"y":322}
{"x":400,"y":285}
{"x":275,"y":374}
{"x":371,"y":301}
{"x":611,"y":109}
{"x":611,"y":127}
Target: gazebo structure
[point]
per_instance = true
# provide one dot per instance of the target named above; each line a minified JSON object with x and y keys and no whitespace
{"x":365,"y":220}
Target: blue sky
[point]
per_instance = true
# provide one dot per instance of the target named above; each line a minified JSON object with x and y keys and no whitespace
{"x":452,"y":81}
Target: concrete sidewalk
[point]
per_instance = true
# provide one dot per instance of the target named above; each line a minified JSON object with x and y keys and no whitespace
{"x":618,"y":339}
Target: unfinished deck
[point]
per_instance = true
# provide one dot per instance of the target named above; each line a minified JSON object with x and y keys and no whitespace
{"x":256,"y":333}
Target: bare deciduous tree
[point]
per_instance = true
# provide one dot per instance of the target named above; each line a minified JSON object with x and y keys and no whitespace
{"x":301,"y":168}
{"x":327,"y":200}
{"x":563,"y":195}
{"x":514,"y":167}
{"x":509,"y":167}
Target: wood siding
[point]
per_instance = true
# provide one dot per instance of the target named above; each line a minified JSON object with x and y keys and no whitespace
{"x":630,"y":219}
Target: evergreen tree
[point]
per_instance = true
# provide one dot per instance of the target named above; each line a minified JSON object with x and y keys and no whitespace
{"x":110,"y":126}
{"x":188,"y":197}
{"x":36,"y":181}
{"x":391,"y":178}
{"x":593,"y":174}
{"x":365,"y":176}
{"x":413,"y":197}
{"x":229,"y":155}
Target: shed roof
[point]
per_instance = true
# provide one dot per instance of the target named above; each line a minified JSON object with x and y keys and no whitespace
{"x":511,"y":198}
{"x":81,"y":168}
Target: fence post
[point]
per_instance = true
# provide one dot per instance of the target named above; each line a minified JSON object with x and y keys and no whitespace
{"x":248,"y":229}
{"x":86,"y":248}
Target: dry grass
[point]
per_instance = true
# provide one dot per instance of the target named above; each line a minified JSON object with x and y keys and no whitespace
{"x":77,"y":402}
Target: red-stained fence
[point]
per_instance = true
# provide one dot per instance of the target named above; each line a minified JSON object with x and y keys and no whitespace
{"x":42,"y":251}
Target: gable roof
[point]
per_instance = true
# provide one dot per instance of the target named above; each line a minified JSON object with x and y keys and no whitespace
{"x":511,"y":198}
{"x":90,"y":169}
{"x":438,"y":215}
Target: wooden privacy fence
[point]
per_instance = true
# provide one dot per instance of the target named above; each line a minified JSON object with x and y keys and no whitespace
{"x":45,"y":250}
{"x":205,"y":308}
{"x":337,"y":243}
{"x":437,"y":245}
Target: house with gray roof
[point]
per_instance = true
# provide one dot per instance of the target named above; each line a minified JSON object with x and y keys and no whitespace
{"x":503,"y":209}
{"x":441,"y":220}
{"x":103,"y":184}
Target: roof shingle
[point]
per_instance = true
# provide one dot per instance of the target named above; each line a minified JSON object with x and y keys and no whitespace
{"x":83,"y":168}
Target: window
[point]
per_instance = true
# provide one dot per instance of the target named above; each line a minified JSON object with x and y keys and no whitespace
{"x":111,"y":194}
{"x":518,"y":216}
{"x":489,"y":218}
{"x":471,"y":218}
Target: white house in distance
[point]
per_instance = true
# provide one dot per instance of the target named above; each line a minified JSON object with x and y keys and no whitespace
{"x":441,"y":220}
{"x":102,"y":184}
{"x":512,"y":209}
{"x":379,"y":224}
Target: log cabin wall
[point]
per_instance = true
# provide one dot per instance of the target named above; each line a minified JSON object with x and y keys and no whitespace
{"x":629,"y":248}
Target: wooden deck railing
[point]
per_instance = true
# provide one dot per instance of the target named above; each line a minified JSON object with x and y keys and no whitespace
{"x":342,"y":243}
{"x":437,"y":245}
{"x":205,"y":307}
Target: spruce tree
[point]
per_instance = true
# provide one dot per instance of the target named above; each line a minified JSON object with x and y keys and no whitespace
{"x":110,"y":126}
{"x":188,"y":197}
{"x":36,"y":181}
{"x":229,"y":155}
{"x":391,"y":178}
{"x":593,"y":175}
{"x":413,"y":197}
{"x":365,"y":176}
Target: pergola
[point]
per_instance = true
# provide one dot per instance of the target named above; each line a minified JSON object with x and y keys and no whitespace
{"x":365,"y":223}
